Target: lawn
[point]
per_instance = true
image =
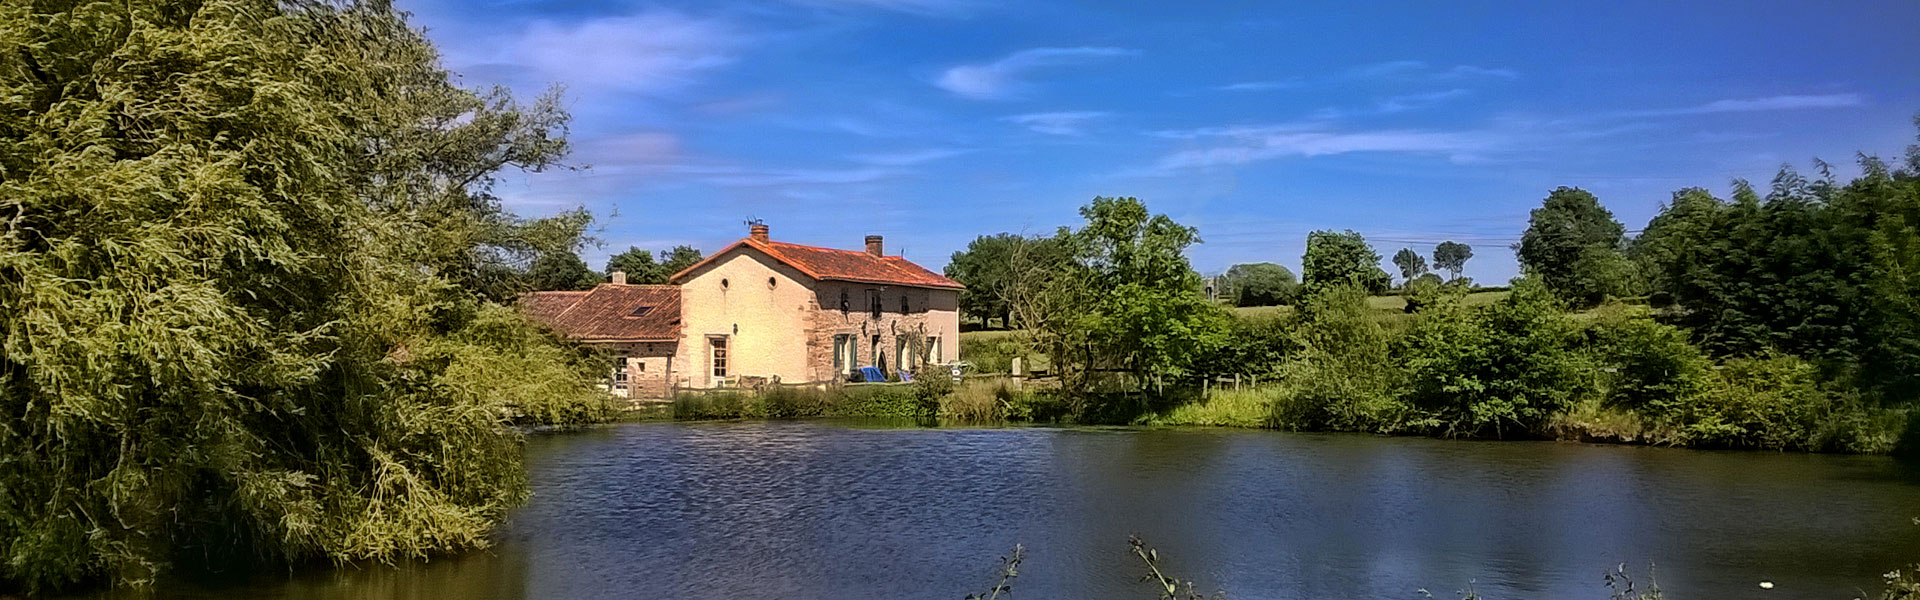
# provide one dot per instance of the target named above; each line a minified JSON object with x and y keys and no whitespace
{"x":1385,"y":304}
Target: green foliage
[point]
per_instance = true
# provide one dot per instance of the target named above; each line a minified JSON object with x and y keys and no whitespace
{"x":251,"y":257}
{"x":642,"y":269}
{"x":1645,"y":365}
{"x":1261,"y":284}
{"x":1500,"y":372}
{"x":987,"y":266}
{"x":1343,"y":377}
{"x":1341,"y":258}
{"x":1572,"y":244}
{"x":1451,"y":256}
{"x":561,"y":270}
{"x":1129,"y":299}
{"x":1428,"y":290}
{"x":1778,"y":402}
{"x":1816,"y":269}
{"x":1411,"y":264}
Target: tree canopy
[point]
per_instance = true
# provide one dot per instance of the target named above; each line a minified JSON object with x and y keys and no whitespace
{"x":1261,"y":284}
{"x":1572,"y":244}
{"x":1451,"y":256}
{"x":641,"y":268}
{"x":1411,"y":264}
{"x":1342,"y":257}
{"x":250,"y":250}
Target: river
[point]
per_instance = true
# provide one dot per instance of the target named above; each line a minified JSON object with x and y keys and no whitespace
{"x":764,"y":510}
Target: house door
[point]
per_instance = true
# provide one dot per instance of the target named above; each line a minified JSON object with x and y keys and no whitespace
{"x":717,"y":359}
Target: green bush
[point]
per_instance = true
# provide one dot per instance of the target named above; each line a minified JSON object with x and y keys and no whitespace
{"x":1645,"y":365}
{"x":791,"y":403}
{"x":894,"y":401}
{"x":710,"y":405}
{"x":1778,"y":402}
{"x":1342,"y":378}
{"x":1501,"y":371}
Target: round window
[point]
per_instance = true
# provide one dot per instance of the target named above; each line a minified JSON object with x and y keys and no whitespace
{"x":723,"y":284}
{"x":772,"y":282}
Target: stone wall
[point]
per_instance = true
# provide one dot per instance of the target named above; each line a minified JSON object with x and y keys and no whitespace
{"x":650,"y":369}
{"x":929,"y":312}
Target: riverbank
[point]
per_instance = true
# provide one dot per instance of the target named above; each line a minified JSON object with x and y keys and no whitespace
{"x":1757,"y":424}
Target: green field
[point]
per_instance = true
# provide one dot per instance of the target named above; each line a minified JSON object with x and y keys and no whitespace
{"x":1385,"y":304}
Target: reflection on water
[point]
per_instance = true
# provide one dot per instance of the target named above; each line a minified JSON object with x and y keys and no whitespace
{"x":818,"y":510}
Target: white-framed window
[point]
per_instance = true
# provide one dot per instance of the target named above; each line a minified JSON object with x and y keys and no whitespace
{"x":843,"y":354}
{"x":933,"y":350}
{"x":718,"y":344}
{"x":620,"y":371}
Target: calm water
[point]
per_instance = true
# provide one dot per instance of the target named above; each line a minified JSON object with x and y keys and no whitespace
{"x":823,"y":510}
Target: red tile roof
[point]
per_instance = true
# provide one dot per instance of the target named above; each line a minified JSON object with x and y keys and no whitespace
{"x":837,"y":265}
{"x":609,"y":313}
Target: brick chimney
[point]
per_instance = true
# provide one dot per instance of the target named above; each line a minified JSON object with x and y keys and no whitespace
{"x":874,"y":246}
{"x":619,"y":277}
{"x":757,"y":231}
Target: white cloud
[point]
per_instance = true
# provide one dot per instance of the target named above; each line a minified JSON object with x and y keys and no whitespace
{"x":1057,"y":123}
{"x":652,"y":52}
{"x":909,"y":158}
{"x":1415,"y":69}
{"x":1252,"y":145}
{"x":937,"y":8}
{"x":1260,"y":86}
{"x":743,"y":177}
{"x":1771,"y":103}
{"x":1001,"y":78}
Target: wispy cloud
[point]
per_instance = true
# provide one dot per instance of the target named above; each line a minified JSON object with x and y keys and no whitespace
{"x":1002,"y":78}
{"x":1057,"y":123}
{"x":908,"y":158}
{"x":740,"y":177}
{"x":1396,"y":104}
{"x":1261,"y":86}
{"x":932,"y":8}
{"x":1770,"y":103}
{"x":649,"y":53}
{"x":1416,"y":69}
{"x":1243,"y":145}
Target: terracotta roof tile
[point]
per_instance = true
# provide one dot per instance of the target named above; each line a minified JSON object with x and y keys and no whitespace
{"x":610,"y":313}
{"x":838,"y":265}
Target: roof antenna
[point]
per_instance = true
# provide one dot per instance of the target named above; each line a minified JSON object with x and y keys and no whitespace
{"x":751,"y":221}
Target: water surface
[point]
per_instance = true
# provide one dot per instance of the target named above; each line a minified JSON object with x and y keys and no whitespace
{"x":835,"y":510}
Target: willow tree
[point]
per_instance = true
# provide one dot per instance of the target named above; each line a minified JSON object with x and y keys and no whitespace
{"x":244,"y":253}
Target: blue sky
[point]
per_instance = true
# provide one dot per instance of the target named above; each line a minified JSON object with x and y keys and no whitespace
{"x":1412,"y":122}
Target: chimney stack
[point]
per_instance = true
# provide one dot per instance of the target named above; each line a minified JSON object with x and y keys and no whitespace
{"x":619,"y":277}
{"x":757,"y":231}
{"x":874,"y":247}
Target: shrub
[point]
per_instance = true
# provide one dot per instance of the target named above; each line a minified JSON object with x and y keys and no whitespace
{"x":709,"y":405}
{"x":1499,"y":371}
{"x":1778,"y":402}
{"x":1645,"y":365}
{"x":977,"y":401}
{"x":1251,"y":407}
{"x":791,"y":403}
{"x":1343,"y":378}
{"x":897,"y":401}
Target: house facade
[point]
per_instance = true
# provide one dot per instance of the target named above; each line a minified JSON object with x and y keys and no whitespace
{"x":760,"y":310}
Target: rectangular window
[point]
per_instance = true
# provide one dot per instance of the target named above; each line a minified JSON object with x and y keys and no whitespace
{"x":719,"y":356}
{"x":877,"y":358}
{"x":903,"y":304}
{"x":620,"y":371}
{"x":843,"y":354}
{"x":902,"y":353}
{"x":873,"y":305}
{"x":933,"y":350}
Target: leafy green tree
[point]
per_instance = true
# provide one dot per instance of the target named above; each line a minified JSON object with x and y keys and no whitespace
{"x":1261,"y":284}
{"x":984,"y":268}
{"x":676,"y":260}
{"x":561,"y":270}
{"x":1647,"y":366}
{"x":1428,"y":290}
{"x":1451,"y":256}
{"x":638,"y":265}
{"x":1344,"y":375}
{"x":1411,"y":264}
{"x":1573,"y":245}
{"x":1131,"y":299}
{"x":1342,"y":257}
{"x":250,"y":256}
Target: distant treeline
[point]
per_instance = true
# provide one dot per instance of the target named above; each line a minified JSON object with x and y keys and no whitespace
{"x":1785,"y":321}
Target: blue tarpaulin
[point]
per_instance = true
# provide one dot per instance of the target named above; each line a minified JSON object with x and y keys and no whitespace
{"x":872,"y":374}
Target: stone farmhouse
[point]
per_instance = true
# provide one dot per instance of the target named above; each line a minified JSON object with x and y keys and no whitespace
{"x":763,"y":311}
